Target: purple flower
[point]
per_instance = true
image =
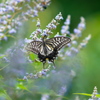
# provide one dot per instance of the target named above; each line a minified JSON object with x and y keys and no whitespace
{"x":12,"y":31}
{"x":81,"y":25}
{"x":8,"y":16}
{"x":77,"y":31}
{"x":4,"y":22}
{"x":10,"y":8}
{"x":68,"y":53}
{"x":59,"y":17}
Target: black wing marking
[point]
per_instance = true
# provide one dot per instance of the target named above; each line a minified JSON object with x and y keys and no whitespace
{"x":34,"y":46}
{"x":58,"y":42}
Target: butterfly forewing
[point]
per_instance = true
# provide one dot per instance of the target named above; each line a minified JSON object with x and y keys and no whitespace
{"x":34,"y":46}
{"x":58,"y":42}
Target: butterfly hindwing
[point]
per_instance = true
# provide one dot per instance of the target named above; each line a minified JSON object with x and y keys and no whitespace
{"x":34,"y":46}
{"x":58,"y":42}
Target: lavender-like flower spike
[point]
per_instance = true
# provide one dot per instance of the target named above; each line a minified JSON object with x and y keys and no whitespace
{"x":59,"y":17}
{"x":84,"y":42}
{"x":52,"y":25}
{"x":38,"y":74}
{"x":74,"y":48}
{"x":65,"y":27}
{"x":81,"y":25}
{"x":34,"y":34}
{"x":80,"y":28}
{"x":46,"y":32}
{"x":95,"y":92}
{"x":12,"y":14}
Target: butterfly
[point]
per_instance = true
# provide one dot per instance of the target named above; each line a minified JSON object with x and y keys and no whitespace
{"x":47,"y":49}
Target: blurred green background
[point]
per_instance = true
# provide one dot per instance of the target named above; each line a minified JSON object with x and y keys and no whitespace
{"x":89,"y":72}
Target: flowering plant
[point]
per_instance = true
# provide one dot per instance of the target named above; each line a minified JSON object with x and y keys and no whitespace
{"x":16,"y":61}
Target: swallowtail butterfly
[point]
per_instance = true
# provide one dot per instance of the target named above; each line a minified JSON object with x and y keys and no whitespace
{"x":47,"y":49}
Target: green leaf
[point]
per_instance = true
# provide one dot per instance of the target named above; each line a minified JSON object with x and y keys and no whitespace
{"x":22,"y":87}
{"x":2,"y":56}
{"x":84,"y":94}
{"x":21,"y":80}
{"x":98,"y":95}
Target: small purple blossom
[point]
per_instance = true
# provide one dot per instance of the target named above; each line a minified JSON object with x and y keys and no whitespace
{"x":59,"y":17}
{"x":74,"y":49}
{"x":83,"y":44}
{"x":1,"y":34}
{"x":12,"y":31}
{"x":8,"y":16}
{"x":67,"y":22}
{"x":4,"y":22}
{"x":44,"y":33}
{"x":69,"y":44}
{"x":77,"y":31}
{"x":10,"y":8}
{"x":25,"y":78}
{"x":5,"y":38}
{"x":81,"y":25}
{"x":6,"y":59}
{"x":39,"y":31}
{"x":65,"y":27}
{"x":68,"y":53}
{"x":19,"y":23}
{"x":51,"y":26}
{"x":74,"y":42}
{"x":43,"y":72}
{"x":64,"y":30}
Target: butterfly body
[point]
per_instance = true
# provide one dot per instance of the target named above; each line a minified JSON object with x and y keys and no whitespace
{"x":50,"y":57}
{"x":48,"y":49}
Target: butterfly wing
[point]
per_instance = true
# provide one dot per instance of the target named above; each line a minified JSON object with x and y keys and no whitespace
{"x":58,"y":42}
{"x":34,"y":46}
